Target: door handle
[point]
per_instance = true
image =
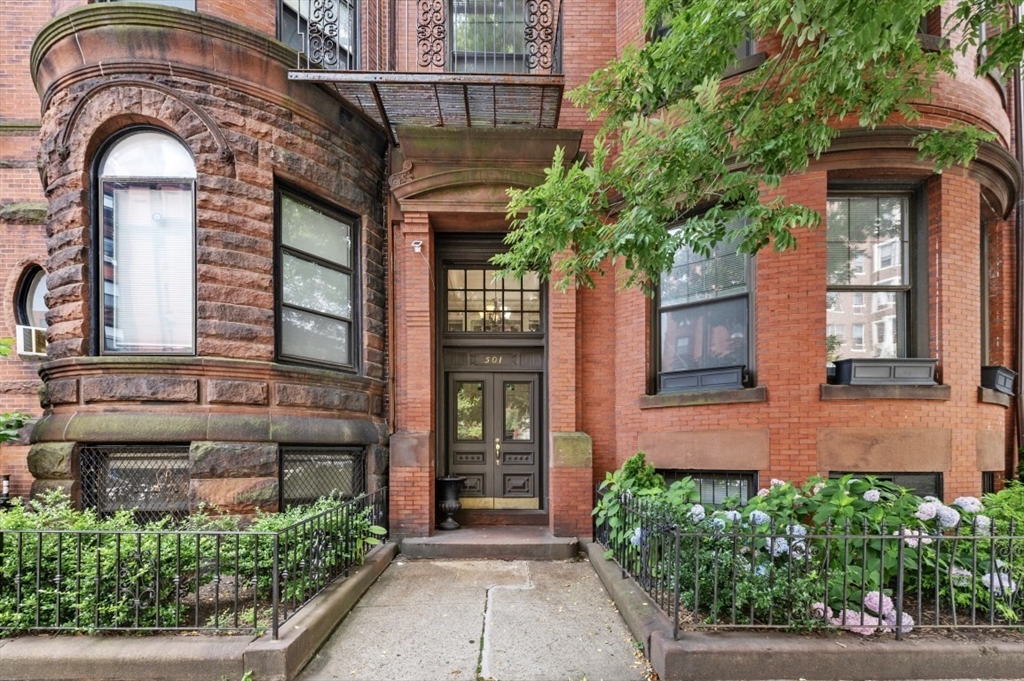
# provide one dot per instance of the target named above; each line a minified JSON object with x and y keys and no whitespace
{"x":497,"y":451}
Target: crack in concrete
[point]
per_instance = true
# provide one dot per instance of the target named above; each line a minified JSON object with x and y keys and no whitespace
{"x":483,"y":671}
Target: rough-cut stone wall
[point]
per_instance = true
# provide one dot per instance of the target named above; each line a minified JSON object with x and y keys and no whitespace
{"x":223,"y":91}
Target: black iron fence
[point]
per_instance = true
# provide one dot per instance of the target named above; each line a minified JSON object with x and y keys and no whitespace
{"x":178,"y":580}
{"x":890,"y":579}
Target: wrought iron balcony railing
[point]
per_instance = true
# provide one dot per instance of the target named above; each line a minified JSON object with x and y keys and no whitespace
{"x":437,"y":36}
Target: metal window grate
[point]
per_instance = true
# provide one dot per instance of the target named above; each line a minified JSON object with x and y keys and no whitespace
{"x":150,"y":480}
{"x":988,"y":482}
{"x":716,"y":486}
{"x":310,"y":473}
{"x":921,"y":484}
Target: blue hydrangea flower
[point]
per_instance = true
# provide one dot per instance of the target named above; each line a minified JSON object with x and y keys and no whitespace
{"x":696,"y":513}
{"x":999,"y":583}
{"x":718,"y":524}
{"x":969,"y":504}
{"x":872,"y":495}
{"x":779,"y":547}
{"x":948,"y":517}
{"x":796,"y":530}
{"x":637,"y":537}
{"x":760,"y":518}
{"x":982,"y":522}
{"x":731,"y":516}
{"x":927,"y":510}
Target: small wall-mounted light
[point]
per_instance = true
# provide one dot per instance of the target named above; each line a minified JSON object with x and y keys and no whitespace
{"x":5,"y":491}
{"x":417,"y":246}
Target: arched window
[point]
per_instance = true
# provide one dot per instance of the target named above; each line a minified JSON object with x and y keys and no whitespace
{"x":147,"y":228}
{"x":30,"y":312}
{"x":31,"y":307}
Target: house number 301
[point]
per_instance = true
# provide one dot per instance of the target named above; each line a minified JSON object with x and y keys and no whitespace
{"x":493,"y":359}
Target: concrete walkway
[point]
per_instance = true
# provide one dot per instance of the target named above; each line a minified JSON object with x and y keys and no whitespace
{"x":456,"y":620}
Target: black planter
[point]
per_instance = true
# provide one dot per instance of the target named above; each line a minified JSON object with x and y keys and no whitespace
{"x":448,"y":503}
{"x":998,"y":378}
{"x":888,"y":371}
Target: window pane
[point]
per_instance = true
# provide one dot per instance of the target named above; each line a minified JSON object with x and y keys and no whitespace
{"x":32,"y":299}
{"x":867,"y":241}
{"x":876,"y":330}
{"x":469,"y":397}
{"x":148,"y":154}
{"x":493,"y":304}
{"x":705,"y":336}
{"x":694,"y":277}
{"x":151,"y":272}
{"x":488,"y":36}
{"x":310,"y":336}
{"x":517,"y":411}
{"x":312,"y":231}
{"x":317,"y":288}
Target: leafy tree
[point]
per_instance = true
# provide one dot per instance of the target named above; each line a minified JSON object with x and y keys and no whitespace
{"x":676,"y":136}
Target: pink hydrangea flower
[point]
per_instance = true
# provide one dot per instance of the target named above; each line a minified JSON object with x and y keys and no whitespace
{"x":878,"y":603}
{"x":856,"y":622}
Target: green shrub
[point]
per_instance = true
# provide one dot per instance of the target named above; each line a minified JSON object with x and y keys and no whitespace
{"x":817,"y":552}
{"x":113,"y":573}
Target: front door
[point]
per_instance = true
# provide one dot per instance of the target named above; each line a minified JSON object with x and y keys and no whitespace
{"x":494,"y":438}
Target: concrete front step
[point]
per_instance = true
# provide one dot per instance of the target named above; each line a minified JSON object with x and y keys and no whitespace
{"x":500,"y":543}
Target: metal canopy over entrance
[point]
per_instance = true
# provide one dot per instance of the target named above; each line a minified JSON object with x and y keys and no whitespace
{"x":447,"y":99}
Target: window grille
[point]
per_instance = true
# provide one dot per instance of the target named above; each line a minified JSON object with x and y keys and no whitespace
{"x":988,"y":482}
{"x":716,"y":486}
{"x":308,"y":474}
{"x":921,"y":484}
{"x":152,"y":481}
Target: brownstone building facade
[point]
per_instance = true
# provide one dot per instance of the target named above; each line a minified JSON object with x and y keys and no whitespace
{"x":257,"y":237}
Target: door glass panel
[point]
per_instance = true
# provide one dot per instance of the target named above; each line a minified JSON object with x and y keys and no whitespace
{"x":518,"y":424}
{"x":469,"y":417}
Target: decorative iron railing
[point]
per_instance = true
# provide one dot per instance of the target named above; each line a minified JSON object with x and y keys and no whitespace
{"x":66,"y":580}
{"x":882,"y":580}
{"x":457,"y":36}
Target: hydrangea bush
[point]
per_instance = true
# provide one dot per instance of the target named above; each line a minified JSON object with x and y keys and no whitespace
{"x":781,"y":557}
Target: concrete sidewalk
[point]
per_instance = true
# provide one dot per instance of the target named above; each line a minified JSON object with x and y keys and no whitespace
{"x":454,"y":620}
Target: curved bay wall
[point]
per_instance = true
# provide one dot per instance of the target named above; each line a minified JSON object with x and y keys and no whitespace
{"x":224,"y":91}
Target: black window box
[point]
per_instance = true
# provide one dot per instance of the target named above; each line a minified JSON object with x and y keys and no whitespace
{"x":998,"y":378}
{"x":888,"y":371}
{"x":720,"y":378}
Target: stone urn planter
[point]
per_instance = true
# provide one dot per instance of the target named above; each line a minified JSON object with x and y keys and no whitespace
{"x":448,"y":503}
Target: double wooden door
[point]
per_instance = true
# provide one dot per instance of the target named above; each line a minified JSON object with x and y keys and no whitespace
{"x":493,"y":438}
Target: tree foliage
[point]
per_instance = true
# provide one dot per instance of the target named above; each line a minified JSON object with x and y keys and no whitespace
{"x":676,"y":137}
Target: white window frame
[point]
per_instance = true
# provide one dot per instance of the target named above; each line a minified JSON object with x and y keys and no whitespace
{"x":855,"y":343}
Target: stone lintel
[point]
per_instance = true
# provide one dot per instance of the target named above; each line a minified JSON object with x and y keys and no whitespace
{"x":885,"y":449}
{"x":730,"y":450}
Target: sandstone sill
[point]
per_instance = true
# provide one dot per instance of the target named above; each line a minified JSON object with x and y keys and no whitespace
{"x":694,"y":399}
{"x":885,"y":392}
{"x":989,"y":396}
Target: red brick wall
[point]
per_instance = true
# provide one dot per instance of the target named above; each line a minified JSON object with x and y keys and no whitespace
{"x":790,"y":318}
{"x":412,"y":481}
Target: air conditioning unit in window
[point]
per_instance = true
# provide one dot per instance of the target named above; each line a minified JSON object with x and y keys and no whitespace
{"x":31,"y":341}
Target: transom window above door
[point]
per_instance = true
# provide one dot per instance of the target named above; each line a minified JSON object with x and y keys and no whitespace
{"x":479,"y":300}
